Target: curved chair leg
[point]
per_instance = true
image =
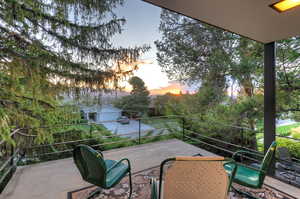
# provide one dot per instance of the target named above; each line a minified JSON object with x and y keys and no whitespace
{"x":130,"y":185}
{"x":245,"y":194}
{"x":94,"y":193}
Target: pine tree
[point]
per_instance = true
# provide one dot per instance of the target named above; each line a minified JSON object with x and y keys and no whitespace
{"x":47,"y":47}
{"x":138,"y":101}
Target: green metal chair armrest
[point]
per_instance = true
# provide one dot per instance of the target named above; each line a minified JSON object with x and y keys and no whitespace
{"x":231,"y":177}
{"x":230,"y":162}
{"x":240,"y":153}
{"x":252,"y":168}
{"x":248,"y":152}
{"x":117,"y":163}
{"x":100,"y":153}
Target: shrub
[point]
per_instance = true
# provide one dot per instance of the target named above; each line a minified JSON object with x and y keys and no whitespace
{"x":296,"y":135}
{"x":285,"y":133}
{"x":259,"y":136}
{"x":83,"y":121}
{"x":295,"y":130}
{"x":292,"y":145}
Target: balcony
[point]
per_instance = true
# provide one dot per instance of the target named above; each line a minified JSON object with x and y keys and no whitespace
{"x":41,"y":176}
{"x":54,"y":179}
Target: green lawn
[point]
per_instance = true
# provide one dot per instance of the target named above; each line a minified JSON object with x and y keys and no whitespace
{"x":281,"y":130}
{"x":285,"y":130}
{"x":159,"y":123}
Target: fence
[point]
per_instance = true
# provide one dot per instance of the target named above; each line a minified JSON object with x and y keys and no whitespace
{"x":10,"y":156}
{"x":239,"y":138}
{"x":142,"y":130}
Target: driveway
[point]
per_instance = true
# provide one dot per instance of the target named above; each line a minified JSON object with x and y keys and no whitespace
{"x":131,"y":128}
{"x":107,"y":114}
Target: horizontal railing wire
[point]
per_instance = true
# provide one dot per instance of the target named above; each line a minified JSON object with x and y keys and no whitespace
{"x":224,"y":142}
{"x":220,"y":148}
{"x":291,"y":138}
{"x":129,"y":137}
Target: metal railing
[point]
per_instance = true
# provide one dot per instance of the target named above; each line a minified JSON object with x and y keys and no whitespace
{"x":27,"y":151}
{"x":9,"y":156}
{"x":199,"y":137}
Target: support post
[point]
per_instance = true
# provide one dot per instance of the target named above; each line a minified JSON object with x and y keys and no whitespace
{"x":242,"y":138}
{"x":269,"y":95}
{"x":91,"y":129}
{"x":183,"y":126}
{"x":139,"y":130}
{"x":12,"y":155}
{"x":12,"y":152}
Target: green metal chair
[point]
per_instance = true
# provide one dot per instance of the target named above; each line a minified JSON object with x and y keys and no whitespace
{"x":97,"y":171}
{"x":249,"y":176}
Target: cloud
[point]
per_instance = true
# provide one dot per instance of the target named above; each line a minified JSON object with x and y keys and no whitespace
{"x":174,"y":87}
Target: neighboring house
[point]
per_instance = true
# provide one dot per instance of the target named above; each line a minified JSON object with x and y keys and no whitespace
{"x":108,"y":113}
{"x":99,"y":113}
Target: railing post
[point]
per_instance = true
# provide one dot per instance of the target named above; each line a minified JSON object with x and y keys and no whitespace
{"x":12,"y":151}
{"x":242,"y":137}
{"x":183,"y":127}
{"x":90,"y":130}
{"x":139,"y":130}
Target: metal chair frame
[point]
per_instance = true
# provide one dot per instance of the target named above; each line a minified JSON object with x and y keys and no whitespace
{"x":100,"y":157}
{"x":163,"y":163}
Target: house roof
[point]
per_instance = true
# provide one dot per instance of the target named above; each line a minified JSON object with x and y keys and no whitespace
{"x":254,"y":19}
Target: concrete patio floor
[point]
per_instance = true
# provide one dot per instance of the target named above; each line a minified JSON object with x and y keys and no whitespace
{"x":54,"y":179}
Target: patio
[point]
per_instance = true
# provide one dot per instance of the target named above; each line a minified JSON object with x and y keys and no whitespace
{"x":252,"y":19}
{"x":54,"y":179}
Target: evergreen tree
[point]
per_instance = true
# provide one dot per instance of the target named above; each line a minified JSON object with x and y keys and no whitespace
{"x":138,"y":100}
{"x":193,"y":52}
{"x":47,"y":47}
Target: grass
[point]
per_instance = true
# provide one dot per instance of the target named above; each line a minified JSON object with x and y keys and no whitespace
{"x":160,"y":123}
{"x":83,"y":127}
{"x":286,"y":130}
{"x":281,"y":130}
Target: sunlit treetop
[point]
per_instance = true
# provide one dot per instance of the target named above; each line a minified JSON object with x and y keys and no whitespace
{"x":68,"y":39}
{"x":51,"y":46}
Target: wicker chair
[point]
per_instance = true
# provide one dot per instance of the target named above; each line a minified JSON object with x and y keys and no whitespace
{"x":191,"y":178}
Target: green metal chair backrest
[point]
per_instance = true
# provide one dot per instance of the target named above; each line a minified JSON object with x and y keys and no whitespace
{"x":90,"y":164}
{"x":269,"y":157}
{"x":266,"y":163}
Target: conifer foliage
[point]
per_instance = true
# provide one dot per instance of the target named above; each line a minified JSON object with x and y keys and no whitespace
{"x":48,"y":46}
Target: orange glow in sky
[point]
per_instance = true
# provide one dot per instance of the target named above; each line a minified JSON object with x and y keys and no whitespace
{"x":155,"y":80}
{"x":174,"y":91}
{"x":174,"y":88}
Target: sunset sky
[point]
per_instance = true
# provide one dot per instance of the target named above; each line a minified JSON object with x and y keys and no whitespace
{"x":142,"y":24}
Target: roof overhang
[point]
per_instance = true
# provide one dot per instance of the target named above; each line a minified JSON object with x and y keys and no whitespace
{"x":254,"y":19}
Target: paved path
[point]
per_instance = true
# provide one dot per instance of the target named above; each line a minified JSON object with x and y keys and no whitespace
{"x":285,"y":122}
{"x":107,"y":115}
{"x":131,"y":128}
